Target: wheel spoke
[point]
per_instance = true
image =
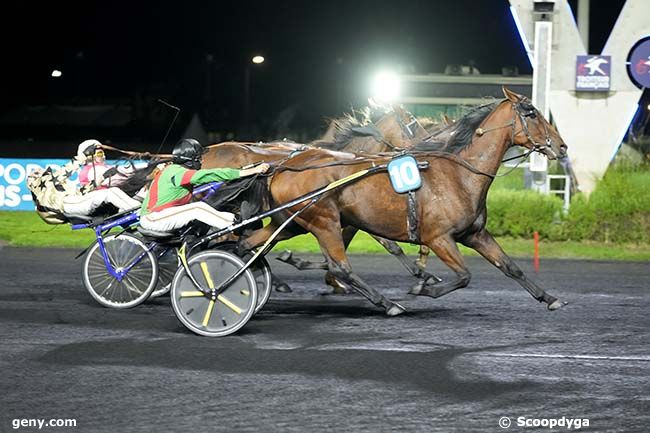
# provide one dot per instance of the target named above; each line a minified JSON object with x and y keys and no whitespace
{"x":102,"y":279}
{"x":206,"y":274}
{"x":225,"y":301}
{"x":208,"y":313}
{"x":107,"y":288}
{"x":138,"y":278}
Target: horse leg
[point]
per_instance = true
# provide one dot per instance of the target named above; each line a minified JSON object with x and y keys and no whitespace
{"x":393,"y":248}
{"x":331,"y":243}
{"x":447,"y":251}
{"x":301,"y":264}
{"x":287,"y":257}
{"x":483,"y":242}
{"x":339,"y":287}
{"x":257,"y":238}
{"x":423,"y":256}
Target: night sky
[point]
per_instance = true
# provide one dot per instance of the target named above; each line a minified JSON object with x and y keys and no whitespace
{"x":319,"y":55}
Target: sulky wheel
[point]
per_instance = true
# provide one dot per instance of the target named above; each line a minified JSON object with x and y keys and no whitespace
{"x":261,"y":272}
{"x":231,"y":309}
{"x":122,"y":251}
{"x":167,"y":266}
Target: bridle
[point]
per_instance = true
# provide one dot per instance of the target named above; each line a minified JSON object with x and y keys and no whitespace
{"x":524,"y":110}
{"x":408,"y":129}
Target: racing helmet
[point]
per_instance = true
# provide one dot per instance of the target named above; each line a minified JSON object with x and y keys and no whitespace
{"x":88,"y":148}
{"x":188,"y":152}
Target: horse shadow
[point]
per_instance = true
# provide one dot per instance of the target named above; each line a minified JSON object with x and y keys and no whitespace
{"x":429,"y":371}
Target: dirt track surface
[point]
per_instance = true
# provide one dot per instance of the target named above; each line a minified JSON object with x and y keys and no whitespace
{"x":312,"y":362}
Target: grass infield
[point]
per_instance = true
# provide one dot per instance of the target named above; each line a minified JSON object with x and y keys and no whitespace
{"x":25,"y":229}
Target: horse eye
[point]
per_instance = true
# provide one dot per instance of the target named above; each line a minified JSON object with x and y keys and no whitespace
{"x":531,"y":114}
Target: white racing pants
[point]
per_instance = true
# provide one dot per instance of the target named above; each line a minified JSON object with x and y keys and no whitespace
{"x":170,"y":219}
{"x":84,"y":205}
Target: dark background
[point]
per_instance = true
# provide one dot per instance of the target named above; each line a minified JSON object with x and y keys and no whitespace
{"x":320,"y":57}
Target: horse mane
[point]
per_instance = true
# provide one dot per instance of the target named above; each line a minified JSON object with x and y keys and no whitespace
{"x":245,"y":196}
{"x":139,"y":178}
{"x":347,"y":128}
{"x":461,"y":132}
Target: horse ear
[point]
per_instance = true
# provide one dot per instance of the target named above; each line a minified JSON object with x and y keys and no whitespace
{"x":510,"y":95}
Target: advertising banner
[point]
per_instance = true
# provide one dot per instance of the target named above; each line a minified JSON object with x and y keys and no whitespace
{"x":593,"y":73}
{"x":638,"y":63}
{"x":14,"y":194}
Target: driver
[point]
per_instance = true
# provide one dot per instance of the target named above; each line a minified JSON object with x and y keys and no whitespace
{"x":96,"y":174}
{"x":168,"y":206}
{"x":56,"y":194}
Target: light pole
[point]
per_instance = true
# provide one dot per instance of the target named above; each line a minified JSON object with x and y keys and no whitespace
{"x":256,"y":60}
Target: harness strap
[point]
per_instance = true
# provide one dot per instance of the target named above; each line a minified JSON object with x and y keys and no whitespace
{"x":412,"y":218}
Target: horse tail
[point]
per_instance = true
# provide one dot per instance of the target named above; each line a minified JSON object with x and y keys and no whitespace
{"x":139,"y":178}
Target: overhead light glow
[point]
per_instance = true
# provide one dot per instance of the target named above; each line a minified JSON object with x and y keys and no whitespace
{"x":385,"y":87}
{"x":56,"y":73}
{"x":258,"y":59}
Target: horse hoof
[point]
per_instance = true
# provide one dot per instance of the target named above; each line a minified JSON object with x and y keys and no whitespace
{"x":557,"y":304}
{"x":338,"y":288}
{"x":395,"y":310}
{"x":283,"y":288}
{"x":417,"y":289}
{"x":285,"y":256}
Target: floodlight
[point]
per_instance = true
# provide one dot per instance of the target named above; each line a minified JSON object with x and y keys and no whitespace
{"x":385,"y":87}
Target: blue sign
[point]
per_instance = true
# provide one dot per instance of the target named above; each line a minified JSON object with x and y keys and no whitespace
{"x":638,"y":63}
{"x":14,"y":194}
{"x":404,"y":174}
{"x":593,"y":73}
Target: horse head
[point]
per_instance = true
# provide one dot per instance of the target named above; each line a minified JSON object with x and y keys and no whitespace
{"x":531,"y":130}
{"x":398,"y":127}
{"x":409,"y":124}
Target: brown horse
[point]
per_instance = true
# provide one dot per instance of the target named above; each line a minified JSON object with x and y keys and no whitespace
{"x":396,"y":130}
{"x":451,"y":200}
{"x":354,"y":132}
{"x":402,"y":133}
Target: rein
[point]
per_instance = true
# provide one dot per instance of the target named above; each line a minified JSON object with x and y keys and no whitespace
{"x":143,"y":155}
{"x":433,"y":154}
{"x":536,"y":147}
